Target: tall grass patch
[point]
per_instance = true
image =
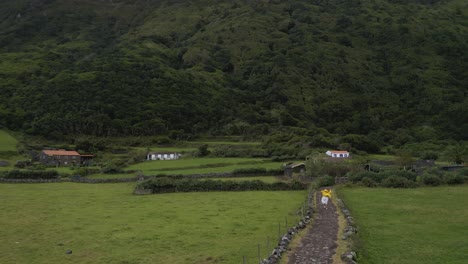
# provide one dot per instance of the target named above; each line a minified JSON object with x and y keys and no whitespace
{"x":7,"y":142}
{"x":423,"y":225}
{"x":104,"y":223}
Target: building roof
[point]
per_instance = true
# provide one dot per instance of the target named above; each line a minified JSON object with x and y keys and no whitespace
{"x":162,"y":152}
{"x":61,"y":152}
{"x":339,"y":151}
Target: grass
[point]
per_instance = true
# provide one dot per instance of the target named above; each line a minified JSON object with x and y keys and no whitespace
{"x":8,"y":151}
{"x":201,"y":165}
{"x":105,"y":223}
{"x":7,"y":142}
{"x":423,"y":225}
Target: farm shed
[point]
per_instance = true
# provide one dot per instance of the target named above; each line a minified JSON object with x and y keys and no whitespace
{"x":59,"y":157}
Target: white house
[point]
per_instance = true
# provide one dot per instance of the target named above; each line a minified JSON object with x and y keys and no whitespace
{"x":338,"y":153}
{"x":162,"y":156}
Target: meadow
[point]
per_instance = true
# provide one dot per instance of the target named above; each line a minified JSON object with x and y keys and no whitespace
{"x":202,"y":165}
{"x":105,"y":223}
{"x":8,"y":150}
{"x":410,"y":226}
{"x":7,"y":142}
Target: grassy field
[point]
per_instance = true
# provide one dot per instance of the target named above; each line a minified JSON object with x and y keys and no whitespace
{"x":423,"y":225}
{"x":105,"y":223}
{"x":7,"y":142}
{"x":202,"y":165}
{"x":8,"y":151}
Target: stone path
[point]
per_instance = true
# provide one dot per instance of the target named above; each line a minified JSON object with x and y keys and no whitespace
{"x":319,"y":244}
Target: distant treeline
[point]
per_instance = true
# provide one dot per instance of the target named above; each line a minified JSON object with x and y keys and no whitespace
{"x":388,"y":70}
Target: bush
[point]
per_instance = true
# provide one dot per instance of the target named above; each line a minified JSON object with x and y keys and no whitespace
{"x":166,"y":185}
{"x":430,"y":155}
{"x":84,"y":171}
{"x":398,"y":182}
{"x":111,"y":169}
{"x":431,"y":180}
{"x":30,"y":174}
{"x":249,"y":171}
{"x":453,"y":179}
{"x":368,"y":182}
{"x":410,"y":175}
{"x":359,"y":176}
{"x":325,"y":181}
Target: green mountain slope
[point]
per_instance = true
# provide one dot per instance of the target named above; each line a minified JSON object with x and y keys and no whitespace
{"x":144,"y":67}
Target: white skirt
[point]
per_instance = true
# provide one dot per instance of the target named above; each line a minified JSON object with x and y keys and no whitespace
{"x":324,"y":200}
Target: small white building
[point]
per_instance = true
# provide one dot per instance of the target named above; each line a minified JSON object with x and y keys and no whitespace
{"x":338,"y":153}
{"x":162,"y":156}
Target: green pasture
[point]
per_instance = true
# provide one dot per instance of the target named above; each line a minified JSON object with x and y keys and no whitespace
{"x":410,"y":226}
{"x":105,"y":223}
{"x":201,"y":165}
{"x":7,"y":142}
{"x":8,"y":151}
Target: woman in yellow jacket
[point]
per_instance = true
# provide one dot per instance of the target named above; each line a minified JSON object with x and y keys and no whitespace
{"x":326,"y":194}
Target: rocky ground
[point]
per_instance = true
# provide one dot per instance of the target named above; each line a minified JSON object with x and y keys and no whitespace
{"x":319,"y":244}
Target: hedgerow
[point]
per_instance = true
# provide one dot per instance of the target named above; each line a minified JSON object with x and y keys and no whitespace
{"x":31,"y":174}
{"x":167,"y":185}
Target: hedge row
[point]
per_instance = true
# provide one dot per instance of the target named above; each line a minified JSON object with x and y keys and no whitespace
{"x":168,"y":185}
{"x":258,"y":171}
{"x":407,"y":179}
{"x":31,"y":174}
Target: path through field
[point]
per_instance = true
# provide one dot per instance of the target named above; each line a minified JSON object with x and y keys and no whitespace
{"x":319,"y":244}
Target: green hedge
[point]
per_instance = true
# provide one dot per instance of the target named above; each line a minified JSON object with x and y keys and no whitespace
{"x":258,"y":171}
{"x":168,"y":185}
{"x":30,"y":174}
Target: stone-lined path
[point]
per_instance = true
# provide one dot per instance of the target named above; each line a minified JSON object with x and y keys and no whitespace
{"x":319,"y":244}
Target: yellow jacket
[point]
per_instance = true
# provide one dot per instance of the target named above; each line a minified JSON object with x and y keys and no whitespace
{"x":326,"y":192}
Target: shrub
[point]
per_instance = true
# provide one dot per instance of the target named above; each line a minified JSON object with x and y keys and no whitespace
{"x":431,"y":180}
{"x":30,"y":174}
{"x":398,"y":182}
{"x":111,"y":169}
{"x":453,"y":179}
{"x":430,"y":155}
{"x":337,"y":169}
{"x":165,"y":185}
{"x":84,"y":171}
{"x":368,"y":182}
{"x":410,"y":175}
{"x":325,"y":181}
{"x":249,"y":171}
{"x":357,"y":177}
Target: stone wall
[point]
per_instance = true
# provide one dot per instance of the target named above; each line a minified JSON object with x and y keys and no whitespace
{"x":283,"y":243}
{"x":348,"y":257}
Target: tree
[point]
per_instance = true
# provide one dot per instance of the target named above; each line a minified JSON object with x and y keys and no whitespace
{"x":315,"y":165}
{"x":203,"y":150}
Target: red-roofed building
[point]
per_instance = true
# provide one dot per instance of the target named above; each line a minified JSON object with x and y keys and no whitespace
{"x":60,"y":157}
{"x":338,"y":153}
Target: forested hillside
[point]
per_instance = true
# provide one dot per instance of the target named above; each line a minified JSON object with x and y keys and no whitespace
{"x":387,"y":69}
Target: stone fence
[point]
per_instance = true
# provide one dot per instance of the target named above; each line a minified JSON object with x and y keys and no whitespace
{"x":348,"y":257}
{"x":284,"y":241}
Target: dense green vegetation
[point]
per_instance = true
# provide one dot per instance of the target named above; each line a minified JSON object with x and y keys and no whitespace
{"x":168,"y":185}
{"x":7,"y":142}
{"x":104,"y":223}
{"x":424,"y":225}
{"x":392,"y":71}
